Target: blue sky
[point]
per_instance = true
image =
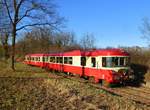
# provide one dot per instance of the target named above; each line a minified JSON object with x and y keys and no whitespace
{"x":112,"y":22}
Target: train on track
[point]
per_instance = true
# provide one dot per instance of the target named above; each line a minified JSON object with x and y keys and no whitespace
{"x":105,"y":66}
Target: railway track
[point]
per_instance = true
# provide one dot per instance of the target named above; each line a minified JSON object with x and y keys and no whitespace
{"x":139,"y":95}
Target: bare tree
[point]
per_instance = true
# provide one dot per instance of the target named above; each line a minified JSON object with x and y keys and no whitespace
{"x":26,"y":13}
{"x":65,"y":39}
{"x":38,"y":40}
{"x":145,"y":29}
{"x":87,"y":41}
{"x":5,"y":29}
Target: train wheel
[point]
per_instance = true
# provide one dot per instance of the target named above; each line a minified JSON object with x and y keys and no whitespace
{"x":105,"y":83}
{"x":77,"y":75}
{"x":85,"y":77}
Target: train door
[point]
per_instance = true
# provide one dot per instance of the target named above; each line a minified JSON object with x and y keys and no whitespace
{"x":83,"y":64}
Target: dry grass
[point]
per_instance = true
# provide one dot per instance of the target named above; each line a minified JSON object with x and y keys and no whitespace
{"x":42,"y":92}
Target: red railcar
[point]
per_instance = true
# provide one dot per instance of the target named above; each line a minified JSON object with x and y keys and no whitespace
{"x":105,"y":65}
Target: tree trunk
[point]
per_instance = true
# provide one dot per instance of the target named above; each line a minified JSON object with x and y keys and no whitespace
{"x":5,"y":44}
{"x":13,"y":47}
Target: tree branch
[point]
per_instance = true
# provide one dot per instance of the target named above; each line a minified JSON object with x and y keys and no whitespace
{"x":39,"y":24}
{"x":20,"y":3}
{"x":25,"y":15}
{"x":8,"y":11}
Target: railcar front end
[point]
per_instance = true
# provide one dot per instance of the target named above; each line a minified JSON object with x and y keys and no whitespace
{"x":119,"y":67}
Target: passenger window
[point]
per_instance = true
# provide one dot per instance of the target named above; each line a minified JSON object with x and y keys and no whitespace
{"x":52,"y":59}
{"x":46,"y":59}
{"x":65,"y":60}
{"x":43,"y":59}
{"x":70,"y":60}
{"x":61,"y":59}
{"x":37,"y":59}
{"x":83,"y":61}
{"x":57,"y":60}
{"x":93,"y":62}
{"x":104,"y":62}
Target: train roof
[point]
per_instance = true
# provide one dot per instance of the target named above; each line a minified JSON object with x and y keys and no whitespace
{"x":100,"y":52}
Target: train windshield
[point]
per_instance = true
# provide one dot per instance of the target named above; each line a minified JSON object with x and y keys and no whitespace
{"x":115,"y":61}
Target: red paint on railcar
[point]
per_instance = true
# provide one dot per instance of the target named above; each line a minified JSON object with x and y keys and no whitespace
{"x":98,"y":74}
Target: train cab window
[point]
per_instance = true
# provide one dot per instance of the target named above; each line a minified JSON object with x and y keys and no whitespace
{"x":83,"y":61}
{"x":93,"y":62}
{"x":70,"y":60}
{"x":122,"y":61}
{"x":114,"y":61}
{"x":65,"y":60}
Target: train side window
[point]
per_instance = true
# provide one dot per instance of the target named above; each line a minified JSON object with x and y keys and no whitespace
{"x":57,"y":59}
{"x":37,"y":59}
{"x":104,"y":62}
{"x":83,"y":61}
{"x":46,"y":58}
{"x":93,"y":62}
{"x":61,"y":59}
{"x":52,"y":59}
{"x":70,"y":60}
{"x":43,"y":59}
{"x":49,"y":58}
{"x":65,"y":60}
